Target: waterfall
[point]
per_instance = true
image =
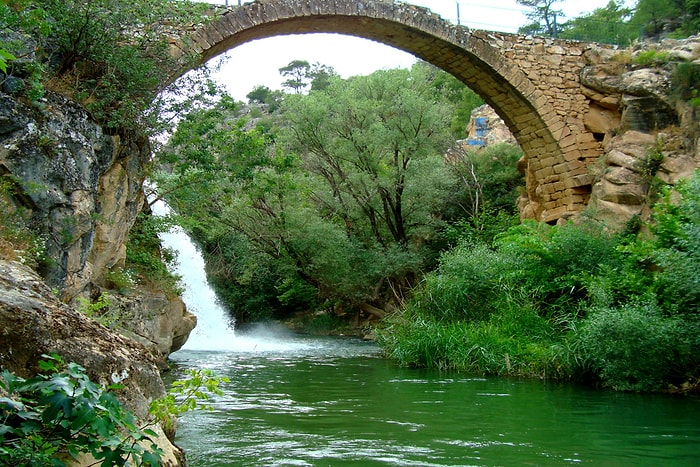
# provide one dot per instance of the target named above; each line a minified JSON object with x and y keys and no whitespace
{"x":215,"y":328}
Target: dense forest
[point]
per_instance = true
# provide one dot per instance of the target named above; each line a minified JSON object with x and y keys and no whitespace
{"x":334,"y":204}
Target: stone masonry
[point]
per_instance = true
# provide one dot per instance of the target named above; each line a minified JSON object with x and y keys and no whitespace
{"x":532,"y":82}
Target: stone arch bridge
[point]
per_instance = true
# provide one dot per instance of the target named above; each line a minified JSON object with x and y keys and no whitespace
{"x":533,"y":83}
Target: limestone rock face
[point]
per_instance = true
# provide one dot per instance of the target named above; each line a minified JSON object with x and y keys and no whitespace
{"x":84,"y":191}
{"x":636,"y":115}
{"x":165,"y":325}
{"x":76,"y":184}
{"x":34,"y":322}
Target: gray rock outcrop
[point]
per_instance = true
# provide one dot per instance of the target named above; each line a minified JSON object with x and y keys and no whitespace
{"x":83,"y":189}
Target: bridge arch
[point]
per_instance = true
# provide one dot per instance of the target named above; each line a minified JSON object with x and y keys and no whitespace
{"x":508,"y":71}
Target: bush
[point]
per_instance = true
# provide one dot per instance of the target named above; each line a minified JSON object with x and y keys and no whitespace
{"x":467,"y":286}
{"x":47,"y":419}
{"x":514,"y":342}
{"x":146,"y":259}
{"x":554,"y":263}
{"x":110,"y":55}
{"x":632,"y":347}
{"x":676,"y":248}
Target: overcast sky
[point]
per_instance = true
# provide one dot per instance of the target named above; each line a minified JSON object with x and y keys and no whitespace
{"x":258,"y":62}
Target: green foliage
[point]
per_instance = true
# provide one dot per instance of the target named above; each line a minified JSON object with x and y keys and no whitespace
{"x":652,"y":162}
{"x":609,"y":25}
{"x":651,"y":57}
{"x":676,"y":248}
{"x":297,"y":74}
{"x":335,"y":205}
{"x":17,"y":241}
{"x":513,"y":343}
{"x":489,"y":178}
{"x":543,"y":16}
{"x":5,"y":57}
{"x":466,"y":286}
{"x":100,"y":310}
{"x":144,"y":256}
{"x":266,"y":96}
{"x":121,"y":280}
{"x":111,"y":55}
{"x":571,"y":301}
{"x":686,"y":83}
{"x":185,"y":395}
{"x":632,"y":347}
{"x":446,"y":86}
{"x":556,"y":262}
{"x":54,"y":416}
{"x":657,"y":15}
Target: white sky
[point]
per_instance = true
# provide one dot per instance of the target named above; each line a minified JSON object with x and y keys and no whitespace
{"x":258,"y":62}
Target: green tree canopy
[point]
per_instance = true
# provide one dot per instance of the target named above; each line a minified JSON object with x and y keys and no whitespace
{"x":543,"y":16}
{"x":610,"y":24}
{"x":336,"y":208}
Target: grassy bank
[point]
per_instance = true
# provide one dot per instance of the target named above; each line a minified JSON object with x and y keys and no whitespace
{"x":566,"y":302}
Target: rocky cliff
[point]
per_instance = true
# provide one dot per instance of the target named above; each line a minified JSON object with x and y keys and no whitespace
{"x":35,"y":322}
{"x":83,"y":190}
{"x":80,"y":190}
{"x":639,"y":104}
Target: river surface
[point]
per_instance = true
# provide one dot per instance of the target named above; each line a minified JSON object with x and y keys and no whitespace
{"x":300,"y":401}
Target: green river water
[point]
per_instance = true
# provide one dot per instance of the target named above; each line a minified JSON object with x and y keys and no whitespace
{"x":335,"y":402}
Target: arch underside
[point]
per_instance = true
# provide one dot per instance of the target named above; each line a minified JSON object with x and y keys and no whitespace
{"x":474,"y":57}
{"x":484,"y":78}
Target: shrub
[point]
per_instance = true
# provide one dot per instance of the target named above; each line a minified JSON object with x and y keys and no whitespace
{"x":514,"y":342}
{"x":467,"y":286}
{"x":61,"y":413}
{"x":17,"y":241}
{"x":555,"y":262}
{"x":651,"y":58}
{"x":191,"y":393}
{"x":675,"y":248}
{"x":144,"y":256}
{"x":100,"y":310}
{"x":632,"y":347}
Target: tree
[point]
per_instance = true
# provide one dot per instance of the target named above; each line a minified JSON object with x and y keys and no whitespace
{"x":97,"y":55}
{"x":265,"y":96}
{"x":321,"y":76}
{"x":339,"y":213}
{"x":297,"y":74}
{"x":542,"y":15}
{"x":676,"y":17}
{"x":610,"y":24}
{"x":365,"y":137}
